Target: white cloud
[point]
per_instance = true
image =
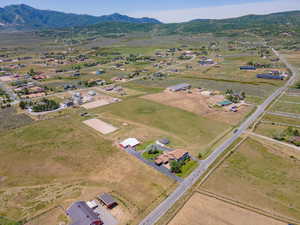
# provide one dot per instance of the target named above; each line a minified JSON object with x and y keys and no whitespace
{"x":219,"y":12}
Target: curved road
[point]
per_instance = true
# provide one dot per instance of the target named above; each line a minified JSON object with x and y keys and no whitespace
{"x":160,"y":210}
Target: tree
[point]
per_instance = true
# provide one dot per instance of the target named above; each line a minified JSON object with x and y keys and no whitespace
{"x":175,"y":166}
{"x":243,"y":94}
{"x":23,"y":105}
{"x":200,"y":155}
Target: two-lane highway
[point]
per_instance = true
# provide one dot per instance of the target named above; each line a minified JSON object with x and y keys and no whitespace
{"x":160,"y":210}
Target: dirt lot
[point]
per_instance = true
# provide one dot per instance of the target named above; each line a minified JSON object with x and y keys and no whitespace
{"x":200,"y":105}
{"x":101,"y":126}
{"x":204,"y":210}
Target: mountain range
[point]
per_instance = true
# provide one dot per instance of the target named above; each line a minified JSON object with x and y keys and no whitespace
{"x":24,"y":16}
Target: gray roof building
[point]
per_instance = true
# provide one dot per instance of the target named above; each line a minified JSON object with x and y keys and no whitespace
{"x":107,"y":200}
{"x":81,"y":214}
{"x":179,"y":87}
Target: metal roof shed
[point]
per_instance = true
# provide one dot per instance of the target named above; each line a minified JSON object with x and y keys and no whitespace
{"x":107,"y":200}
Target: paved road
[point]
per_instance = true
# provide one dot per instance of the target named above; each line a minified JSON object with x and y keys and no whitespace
{"x":160,"y":210}
{"x":285,"y":114}
{"x":273,"y":140}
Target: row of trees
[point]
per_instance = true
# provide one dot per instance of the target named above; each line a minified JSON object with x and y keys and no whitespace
{"x":41,"y":106}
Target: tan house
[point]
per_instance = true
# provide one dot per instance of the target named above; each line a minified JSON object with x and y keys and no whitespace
{"x":178,"y":155}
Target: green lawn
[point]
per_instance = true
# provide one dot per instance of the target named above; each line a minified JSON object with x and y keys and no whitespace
{"x":187,"y":168}
{"x":144,"y":145}
{"x":192,"y":130}
{"x":148,"y":156}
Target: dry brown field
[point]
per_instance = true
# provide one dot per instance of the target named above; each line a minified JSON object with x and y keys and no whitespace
{"x":201,"y":105}
{"x":204,"y":210}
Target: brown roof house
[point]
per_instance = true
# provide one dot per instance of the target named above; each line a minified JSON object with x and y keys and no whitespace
{"x":178,"y":155}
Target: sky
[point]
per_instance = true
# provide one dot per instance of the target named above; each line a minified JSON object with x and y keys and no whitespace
{"x":167,"y":11}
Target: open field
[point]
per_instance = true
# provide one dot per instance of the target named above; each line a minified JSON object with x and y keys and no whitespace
{"x":286,"y":107}
{"x":61,"y":160}
{"x":261,"y":89}
{"x":281,"y":119}
{"x":193,"y":132}
{"x":10,"y":119}
{"x":260,"y":174}
{"x":269,"y":130}
{"x":200,"y":105}
{"x":203,"y":210}
{"x":228,"y":68}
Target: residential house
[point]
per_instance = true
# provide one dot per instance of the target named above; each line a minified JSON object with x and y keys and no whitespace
{"x":167,"y":156}
{"x":81,"y":214}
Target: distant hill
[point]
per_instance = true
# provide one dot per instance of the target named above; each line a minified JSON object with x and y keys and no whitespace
{"x":24,"y":16}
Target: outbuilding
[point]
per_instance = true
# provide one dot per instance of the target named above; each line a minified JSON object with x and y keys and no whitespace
{"x":179,"y":87}
{"x":163,"y":142}
{"x":129,"y":142}
{"x":107,"y":200}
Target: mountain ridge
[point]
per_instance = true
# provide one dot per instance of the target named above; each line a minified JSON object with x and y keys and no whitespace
{"x":25,"y":16}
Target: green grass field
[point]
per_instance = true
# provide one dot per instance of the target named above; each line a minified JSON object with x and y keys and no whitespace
{"x":281,"y":119}
{"x":195,"y":132}
{"x":286,"y":107}
{"x":260,"y":174}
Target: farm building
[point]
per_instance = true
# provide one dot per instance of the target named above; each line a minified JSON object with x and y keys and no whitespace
{"x":107,"y":200}
{"x":178,"y":155}
{"x":247,"y":68}
{"x":130,"y":142}
{"x":179,"y":87}
{"x":270,"y":76}
{"x":81,"y":214}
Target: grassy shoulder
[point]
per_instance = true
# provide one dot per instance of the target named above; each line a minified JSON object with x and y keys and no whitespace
{"x":260,"y":174}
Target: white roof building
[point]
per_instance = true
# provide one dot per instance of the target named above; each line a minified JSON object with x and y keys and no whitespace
{"x":130,"y":142}
{"x":92,"y":204}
